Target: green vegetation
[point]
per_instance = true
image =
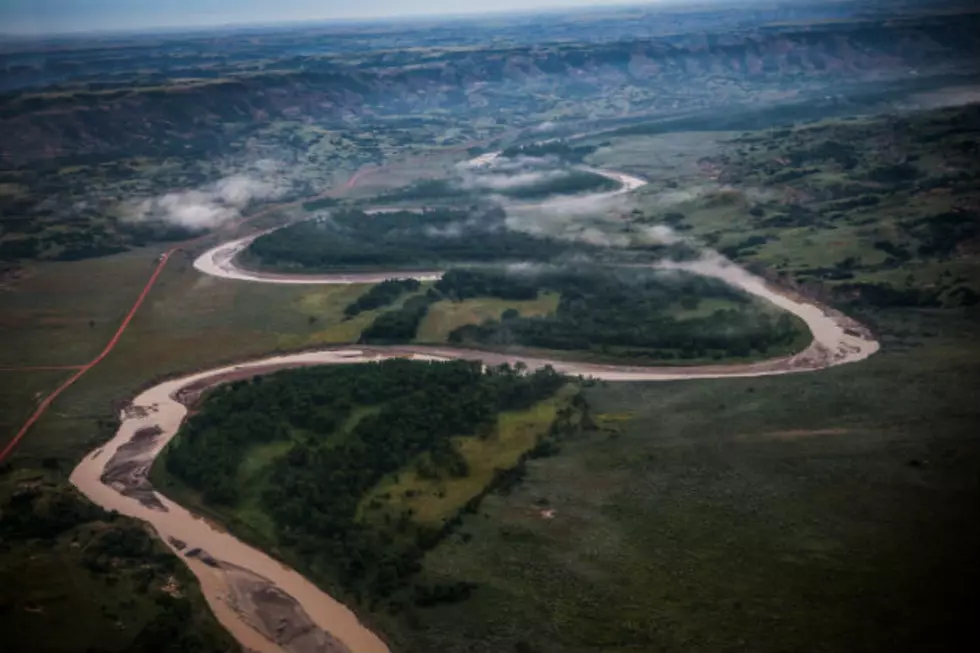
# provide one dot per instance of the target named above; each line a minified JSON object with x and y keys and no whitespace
{"x":891,"y":223}
{"x":556,"y":148}
{"x":307,"y":449}
{"x":464,"y":284}
{"x":832,"y":511}
{"x":796,"y":513}
{"x":632,"y":314}
{"x":380,"y":295}
{"x":628,"y":313}
{"x":67,"y":561}
{"x":445,"y":316}
{"x":425,"y":189}
{"x":433,"y":498}
{"x":400,"y":325}
{"x":405,"y":239}
{"x":568,"y":183}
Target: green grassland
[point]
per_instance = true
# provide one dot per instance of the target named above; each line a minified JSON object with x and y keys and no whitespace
{"x":610,"y":314}
{"x":824,"y":512}
{"x":445,"y":316}
{"x":20,"y":394}
{"x":75,"y":209}
{"x":433,"y":501}
{"x":811,"y":207}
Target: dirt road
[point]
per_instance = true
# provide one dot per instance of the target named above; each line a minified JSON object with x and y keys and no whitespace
{"x":43,"y":406}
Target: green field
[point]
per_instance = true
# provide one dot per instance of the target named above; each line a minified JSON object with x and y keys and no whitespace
{"x":826,"y":512}
{"x":444,"y":316}
{"x":432,"y":502}
{"x":812,"y":208}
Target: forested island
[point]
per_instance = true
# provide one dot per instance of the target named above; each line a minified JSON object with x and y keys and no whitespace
{"x":615,"y":313}
{"x":400,"y":239}
{"x":640,"y":315}
{"x":304,"y":449}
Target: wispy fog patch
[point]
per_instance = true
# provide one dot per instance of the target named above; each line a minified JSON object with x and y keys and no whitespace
{"x":595,"y":236}
{"x":710,"y":263}
{"x":564,"y":215}
{"x":528,"y":268}
{"x":503,"y":182}
{"x":660,"y":234}
{"x":500,"y":174}
{"x":476,"y":224}
{"x":214,"y":204}
{"x":505,"y":164}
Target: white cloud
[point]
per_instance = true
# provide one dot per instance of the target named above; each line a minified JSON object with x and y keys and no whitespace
{"x":214,"y":204}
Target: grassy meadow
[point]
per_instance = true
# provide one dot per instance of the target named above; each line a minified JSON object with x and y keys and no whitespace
{"x":833,"y":511}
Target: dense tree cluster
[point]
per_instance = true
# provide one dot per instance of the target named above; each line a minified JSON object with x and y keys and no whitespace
{"x":380,"y":295}
{"x":399,"y":325}
{"x":322,"y":203}
{"x":569,"y":183}
{"x":883,"y":295}
{"x":556,"y":148}
{"x":407,"y":239}
{"x":117,"y":551}
{"x":939,"y":235}
{"x":630,"y":314}
{"x":42,"y":512}
{"x":313,"y":491}
{"x":464,"y":284}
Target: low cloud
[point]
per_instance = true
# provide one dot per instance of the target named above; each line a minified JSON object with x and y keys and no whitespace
{"x":504,"y":182}
{"x":214,"y":204}
{"x":560,"y":217}
{"x":661,"y":234}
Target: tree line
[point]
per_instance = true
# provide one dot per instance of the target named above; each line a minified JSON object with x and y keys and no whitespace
{"x":402,"y":324}
{"x":569,"y":183}
{"x":556,"y":148}
{"x":404,"y":239}
{"x":381,"y":294}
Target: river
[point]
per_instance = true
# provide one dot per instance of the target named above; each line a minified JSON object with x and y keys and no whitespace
{"x":271,"y":608}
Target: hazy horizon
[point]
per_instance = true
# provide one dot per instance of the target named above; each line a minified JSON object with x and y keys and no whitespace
{"x":55,"y":17}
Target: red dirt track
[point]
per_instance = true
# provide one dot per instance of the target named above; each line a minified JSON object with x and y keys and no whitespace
{"x":43,"y":406}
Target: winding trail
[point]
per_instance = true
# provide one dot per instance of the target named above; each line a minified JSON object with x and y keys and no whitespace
{"x":269,"y":607}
